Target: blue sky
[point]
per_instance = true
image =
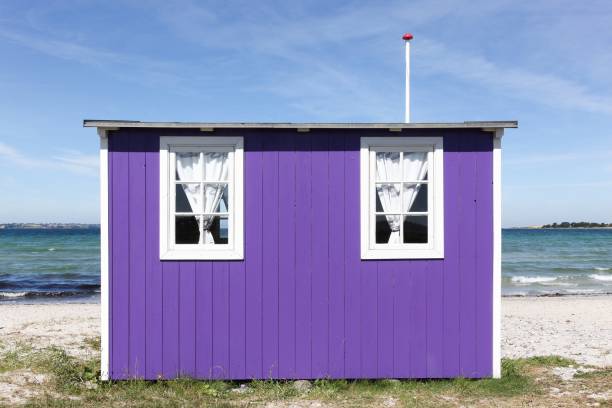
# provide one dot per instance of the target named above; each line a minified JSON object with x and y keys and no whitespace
{"x":544,"y":63}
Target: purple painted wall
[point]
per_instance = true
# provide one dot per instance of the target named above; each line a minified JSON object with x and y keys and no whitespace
{"x":302,"y":304}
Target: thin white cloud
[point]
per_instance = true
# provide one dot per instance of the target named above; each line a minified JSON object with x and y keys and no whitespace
{"x":69,"y":160}
{"x":323,"y":71}
{"x":288,"y":33}
{"x":547,"y":89}
{"x":560,"y":186}
{"x":134,"y":68}
{"x":603,"y":156}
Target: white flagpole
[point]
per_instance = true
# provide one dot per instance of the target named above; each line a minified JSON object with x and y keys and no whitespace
{"x":407,"y":37}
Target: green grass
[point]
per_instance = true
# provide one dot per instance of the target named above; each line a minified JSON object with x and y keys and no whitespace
{"x":606,"y":372}
{"x":67,"y":372}
{"x":73,"y":382}
{"x":93,"y":343}
{"x":550,"y":361}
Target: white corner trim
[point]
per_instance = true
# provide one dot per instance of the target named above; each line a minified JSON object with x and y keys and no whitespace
{"x":434,"y":249}
{"x":167,"y":249}
{"x":497,"y":253}
{"x":104,"y":259}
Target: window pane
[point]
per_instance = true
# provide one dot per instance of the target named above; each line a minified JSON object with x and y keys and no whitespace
{"x":387,"y":229}
{"x":216,"y":198}
{"x":388,"y":166}
{"x":415,"y":229}
{"x":415,"y":198}
{"x":216,"y":230}
{"x":188,"y":198}
{"x":415,"y":166}
{"x":388,"y":197}
{"x":187,"y":230}
{"x":216,"y":166}
{"x":188,"y":167}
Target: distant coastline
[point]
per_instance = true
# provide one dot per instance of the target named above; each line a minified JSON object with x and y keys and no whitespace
{"x":51,"y":225}
{"x":581,"y":224}
{"x":567,"y":225}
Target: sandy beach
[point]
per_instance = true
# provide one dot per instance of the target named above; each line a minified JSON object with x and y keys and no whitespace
{"x":577,"y":327}
{"x":44,"y":325}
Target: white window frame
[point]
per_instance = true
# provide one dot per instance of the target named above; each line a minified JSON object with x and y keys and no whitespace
{"x":434,"y":248}
{"x":168,"y":249}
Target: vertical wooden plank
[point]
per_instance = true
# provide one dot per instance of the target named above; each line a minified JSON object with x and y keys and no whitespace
{"x":187,"y":319}
{"x":170,"y":307}
{"x":401,"y":317}
{"x":353,"y":259}
{"x":452,"y":197}
{"x":286,"y":257}
{"x":254,"y":233}
{"x":435,"y":316}
{"x":220,"y":327}
{"x":484,"y":255}
{"x":467,"y":260}
{"x":386,"y":291}
{"x":418,"y":323}
{"x":336,"y":255}
{"x":238,"y":324}
{"x":303,"y":256}
{"x":320,"y":255}
{"x":369,"y":319}
{"x":120,"y":284}
{"x":137,"y":255}
{"x":270,"y":257}
{"x":204,"y":319}
{"x":154,"y":291}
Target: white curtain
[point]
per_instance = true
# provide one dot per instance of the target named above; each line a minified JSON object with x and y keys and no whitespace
{"x":388,"y":168}
{"x":415,"y":168}
{"x":188,"y":169}
{"x":215,"y":169}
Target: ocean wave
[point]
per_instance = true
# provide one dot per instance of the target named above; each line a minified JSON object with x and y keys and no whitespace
{"x":605,"y":278}
{"x":584,"y":291}
{"x":46,"y":294}
{"x":602,"y":269}
{"x":532,"y":279}
{"x":11,"y":295}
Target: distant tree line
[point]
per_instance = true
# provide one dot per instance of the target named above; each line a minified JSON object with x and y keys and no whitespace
{"x":48,"y":225}
{"x":581,"y":224}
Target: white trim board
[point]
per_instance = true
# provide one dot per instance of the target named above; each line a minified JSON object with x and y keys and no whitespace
{"x":168,"y":250}
{"x":497,"y":253}
{"x":104,"y":259}
{"x":434,"y":249}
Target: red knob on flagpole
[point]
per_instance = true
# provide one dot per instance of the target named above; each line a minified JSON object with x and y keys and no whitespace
{"x":407,"y":37}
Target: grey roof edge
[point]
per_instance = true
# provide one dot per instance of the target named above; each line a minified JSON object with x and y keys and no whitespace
{"x":288,"y":125}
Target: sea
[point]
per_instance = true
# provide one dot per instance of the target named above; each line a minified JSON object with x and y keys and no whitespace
{"x":54,"y":265}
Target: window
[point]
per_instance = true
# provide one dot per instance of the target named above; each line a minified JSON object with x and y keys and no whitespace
{"x":402,"y":198}
{"x":201,"y":208}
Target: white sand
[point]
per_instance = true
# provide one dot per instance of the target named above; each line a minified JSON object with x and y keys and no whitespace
{"x":575,"y":327}
{"x":44,"y":325}
{"x":579,"y":328}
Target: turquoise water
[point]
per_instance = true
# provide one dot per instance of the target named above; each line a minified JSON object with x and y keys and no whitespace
{"x":549,"y":262}
{"x":49,"y":265}
{"x":64,"y":265}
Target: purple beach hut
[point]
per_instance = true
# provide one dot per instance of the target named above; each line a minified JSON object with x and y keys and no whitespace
{"x":300,"y":250}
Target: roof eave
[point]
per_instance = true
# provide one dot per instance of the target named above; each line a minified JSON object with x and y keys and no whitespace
{"x":288,"y":125}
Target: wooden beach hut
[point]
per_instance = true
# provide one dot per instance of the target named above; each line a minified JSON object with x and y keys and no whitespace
{"x":300,"y":250}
